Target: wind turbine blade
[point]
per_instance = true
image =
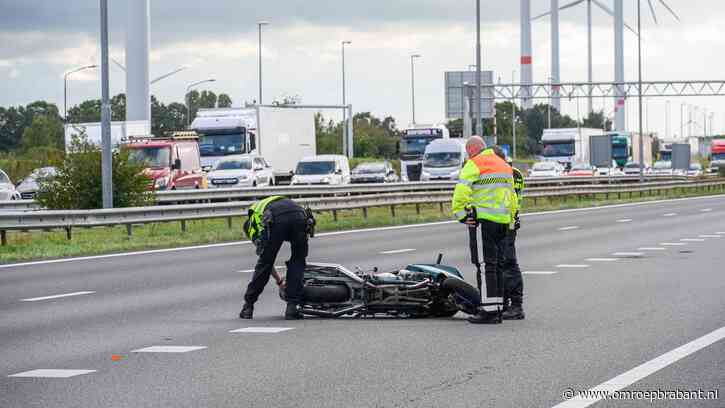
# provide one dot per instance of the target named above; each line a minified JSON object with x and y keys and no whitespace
{"x":670,"y":10}
{"x":611,"y":13}
{"x":631,"y":29}
{"x":115,"y":61}
{"x":566,"y":6}
{"x":652,"y":10}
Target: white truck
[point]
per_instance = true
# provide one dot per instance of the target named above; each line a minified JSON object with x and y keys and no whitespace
{"x":120,"y":132}
{"x":567,"y":146}
{"x":283,"y":136}
{"x":443,"y":159}
{"x":413,"y":142}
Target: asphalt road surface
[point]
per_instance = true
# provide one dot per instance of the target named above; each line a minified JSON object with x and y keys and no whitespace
{"x":628,"y":298}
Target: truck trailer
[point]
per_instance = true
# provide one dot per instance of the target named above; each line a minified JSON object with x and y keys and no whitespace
{"x":282,"y":135}
{"x":567,"y":146}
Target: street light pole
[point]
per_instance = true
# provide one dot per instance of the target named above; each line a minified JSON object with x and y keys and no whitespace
{"x":259,"y":26}
{"x":479,"y":108}
{"x":412,"y":82}
{"x":548,"y":106}
{"x":513,"y":118}
{"x":188,"y":98}
{"x":65,"y":88}
{"x":344,"y":101}
{"x":106,"y":158}
{"x":639,"y":62}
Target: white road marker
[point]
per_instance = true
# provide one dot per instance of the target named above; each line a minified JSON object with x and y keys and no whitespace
{"x":706,"y":210}
{"x":35,"y":299}
{"x":601,"y":259}
{"x":261,"y":330}
{"x":397,"y":251}
{"x":669,"y":215}
{"x":673,"y":243}
{"x":572,"y":266}
{"x":710,"y":236}
{"x":624,"y":220}
{"x":539,"y":273}
{"x":246,"y":271}
{"x":692,"y":239}
{"x":572,"y":227}
{"x":51,"y":373}
{"x":252,"y":270}
{"x":721,"y":233}
{"x":168,"y":349}
{"x":628,"y":254}
{"x":630,"y":377}
{"x":651,"y":249}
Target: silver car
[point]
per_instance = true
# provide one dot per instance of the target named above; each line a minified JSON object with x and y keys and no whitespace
{"x":7,"y":188}
{"x":29,"y":186}
{"x":241,"y":171}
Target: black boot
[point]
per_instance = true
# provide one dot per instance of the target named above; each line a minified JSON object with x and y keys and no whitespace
{"x":247,"y":311}
{"x":292,"y":312}
{"x":514,"y":312}
{"x":484,"y":317}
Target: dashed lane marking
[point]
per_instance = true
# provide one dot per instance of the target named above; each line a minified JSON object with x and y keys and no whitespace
{"x":692,"y":240}
{"x":51,"y":373}
{"x":569,"y":228}
{"x":624,"y":220}
{"x":706,"y":210}
{"x":648,"y":368}
{"x":261,"y":330}
{"x":651,"y":249}
{"x":252,"y":270}
{"x":398,"y":251}
{"x":673,"y":243}
{"x":710,"y":236}
{"x":628,"y":254}
{"x":601,"y":259}
{"x":168,"y":349}
{"x":669,"y":215}
{"x":572,"y":266}
{"x":63,"y":295}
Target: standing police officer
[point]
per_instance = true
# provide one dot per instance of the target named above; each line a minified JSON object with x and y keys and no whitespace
{"x":271,"y":222}
{"x":513,"y":282}
{"x":485,"y":188}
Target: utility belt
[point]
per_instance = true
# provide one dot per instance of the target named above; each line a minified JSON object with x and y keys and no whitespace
{"x":275,"y":213}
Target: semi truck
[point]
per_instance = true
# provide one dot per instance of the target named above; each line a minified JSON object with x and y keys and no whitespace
{"x":621,"y":148}
{"x":646,"y":148}
{"x":282,"y":135}
{"x":717,"y":155}
{"x":413,"y":142}
{"x":567,"y":146}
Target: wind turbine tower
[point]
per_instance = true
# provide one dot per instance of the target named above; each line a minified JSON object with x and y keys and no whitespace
{"x":555,"y":71}
{"x":526,"y":72}
{"x":138,"y":96}
{"x":620,"y":109}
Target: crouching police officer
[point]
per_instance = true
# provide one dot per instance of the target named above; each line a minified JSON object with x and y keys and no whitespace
{"x":271,"y":222}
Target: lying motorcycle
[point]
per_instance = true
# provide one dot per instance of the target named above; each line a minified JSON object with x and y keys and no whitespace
{"x":417,"y":290}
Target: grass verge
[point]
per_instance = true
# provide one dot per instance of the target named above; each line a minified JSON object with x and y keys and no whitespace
{"x":25,"y":246}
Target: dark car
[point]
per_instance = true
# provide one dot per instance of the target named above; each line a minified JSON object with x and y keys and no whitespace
{"x":374,"y":172}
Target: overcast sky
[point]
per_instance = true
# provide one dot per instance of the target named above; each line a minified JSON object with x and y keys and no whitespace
{"x":41,"y":39}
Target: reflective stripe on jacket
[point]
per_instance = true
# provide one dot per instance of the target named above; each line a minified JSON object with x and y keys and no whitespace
{"x":486,"y":184}
{"x":518,"y":186}
{"x":254,"y":226}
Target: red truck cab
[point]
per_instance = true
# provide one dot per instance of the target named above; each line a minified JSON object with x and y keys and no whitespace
{"x":170,"y":162}
{"x":717,"y":155}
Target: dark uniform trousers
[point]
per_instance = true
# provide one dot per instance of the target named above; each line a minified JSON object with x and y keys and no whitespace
{"x":286,"y":224}
{"x":493,"y":235}
{"x":509,"y":264}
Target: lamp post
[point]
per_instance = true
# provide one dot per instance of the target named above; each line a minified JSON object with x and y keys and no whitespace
{"x":188,"y":98}
{"x":639,"y":68}
{"x":548,"y":106}
{"x":259,"y":27}
{"x":513,"y":118}
{"x":65,"y":88}
{"x":344,"y":101}
{"x":479,"y":108}
{"x":412,"y":82}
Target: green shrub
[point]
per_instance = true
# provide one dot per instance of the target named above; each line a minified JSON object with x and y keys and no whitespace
{"x":77,"y":184}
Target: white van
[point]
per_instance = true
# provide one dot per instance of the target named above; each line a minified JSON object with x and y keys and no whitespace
{"x":333,"y":169}
{"x":443,"y":159}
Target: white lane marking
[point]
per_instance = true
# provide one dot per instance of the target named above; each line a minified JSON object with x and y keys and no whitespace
{"x":624,"y":220}
{"x":721,"y":233}
{"x":35,"y":299}
{"x":651,"y":249}
{"x":538,"y":272}
{"x":673,"y":243}
{"x":261,"y":330}
{"x":397,"y":251}
{"x":355,"y":231}
{"x":246,"y":271}
{"x":168,"y":349}
{"x":572,"y":266}
{"x":51,"y":373}
{"x":601,"y":259}
{"x":628,"y":254}
{"x":643,"y":370}
{"x":252,"y":270}
{"x":692,"y":239}
{"x":710,"y":236}
{"x":669,"y":215}
{"x":706,"y":210}
{"x":572,"y":227}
